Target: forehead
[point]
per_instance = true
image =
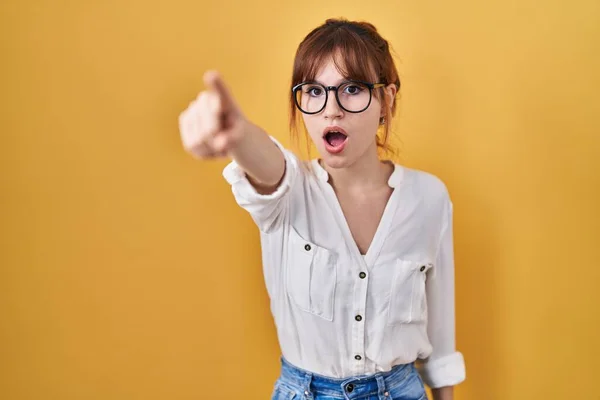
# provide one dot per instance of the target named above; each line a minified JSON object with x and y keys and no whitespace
{"x":329,"y":71}
{"x":339,"y":66}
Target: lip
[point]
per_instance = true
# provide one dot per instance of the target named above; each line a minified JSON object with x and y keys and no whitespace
{"x":333,"y":149}
{"x":334,"y":128}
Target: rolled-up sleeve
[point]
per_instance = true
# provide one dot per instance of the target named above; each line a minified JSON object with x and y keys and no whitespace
{"x":445,"y":366}
{"x":266,"y":209}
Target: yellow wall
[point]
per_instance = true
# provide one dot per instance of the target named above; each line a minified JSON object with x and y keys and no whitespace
{"x":127,"y":271}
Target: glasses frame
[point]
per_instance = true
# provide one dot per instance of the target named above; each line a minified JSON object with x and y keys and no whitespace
{"x":371,"y":86}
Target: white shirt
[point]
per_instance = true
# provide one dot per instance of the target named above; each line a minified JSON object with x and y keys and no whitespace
{"x":341,"y":314}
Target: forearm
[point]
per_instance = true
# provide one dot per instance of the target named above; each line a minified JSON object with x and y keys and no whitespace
{"x":260,"y":158}
{"x":444,"y":393}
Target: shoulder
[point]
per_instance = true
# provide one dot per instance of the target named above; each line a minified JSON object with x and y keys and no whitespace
{"x":431,"y":195}
{"x":426,"y":184}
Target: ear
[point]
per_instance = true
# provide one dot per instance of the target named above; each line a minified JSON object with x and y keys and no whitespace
{"x":390,"y":93}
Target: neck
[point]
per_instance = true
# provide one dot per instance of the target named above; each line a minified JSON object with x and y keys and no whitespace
{"x":366,"y":173}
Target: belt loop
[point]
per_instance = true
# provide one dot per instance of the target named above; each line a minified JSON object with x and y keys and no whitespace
{"x":306,"y":381}
{"x":381,"y":389}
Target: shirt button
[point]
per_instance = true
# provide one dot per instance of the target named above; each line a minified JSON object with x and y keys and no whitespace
{"x":307,"y":247}
{"x":358,"y":318}
{"x":349,"y":387}
{"x":362,"y":275}
{"x":422,"y":268}
{"x":357,"y":357}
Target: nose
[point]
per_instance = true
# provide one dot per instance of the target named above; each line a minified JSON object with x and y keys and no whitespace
{"x":332,"y":108}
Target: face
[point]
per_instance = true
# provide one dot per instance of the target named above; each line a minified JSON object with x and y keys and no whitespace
{"x":341,"y":137}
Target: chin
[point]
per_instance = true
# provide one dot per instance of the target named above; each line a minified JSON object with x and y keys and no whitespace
{"x":336,"y":161}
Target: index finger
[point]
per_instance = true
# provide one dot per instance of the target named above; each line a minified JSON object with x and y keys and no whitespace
{"x":213,"y":80}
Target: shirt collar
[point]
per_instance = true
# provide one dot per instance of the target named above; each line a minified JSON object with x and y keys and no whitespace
{"x":394,"y":180}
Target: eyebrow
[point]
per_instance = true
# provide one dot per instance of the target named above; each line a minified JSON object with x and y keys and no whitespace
{"x":337,"y":83}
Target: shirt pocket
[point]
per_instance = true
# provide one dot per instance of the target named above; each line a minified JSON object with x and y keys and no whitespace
{"x":311,"y":276}
{"x":408,"y":300}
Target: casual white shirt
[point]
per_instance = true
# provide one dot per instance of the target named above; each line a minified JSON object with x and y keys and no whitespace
{"x":341,"y":314}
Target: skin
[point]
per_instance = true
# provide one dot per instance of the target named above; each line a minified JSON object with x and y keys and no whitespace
{"x":356,"y":174}
{"x":214,"y":126}
{"x":358,"y":165}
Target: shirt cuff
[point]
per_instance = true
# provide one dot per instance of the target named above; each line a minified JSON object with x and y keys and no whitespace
{"x":445,"y":371}
{"x":243,"y":190}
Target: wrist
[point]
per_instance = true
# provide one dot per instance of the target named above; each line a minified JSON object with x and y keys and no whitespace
{"x":242,"y":139}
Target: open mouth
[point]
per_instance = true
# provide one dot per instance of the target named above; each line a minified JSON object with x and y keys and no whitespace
{"x":335,"y":138}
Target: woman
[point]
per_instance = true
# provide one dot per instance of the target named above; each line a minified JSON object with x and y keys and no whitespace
{"x":357,"y":251}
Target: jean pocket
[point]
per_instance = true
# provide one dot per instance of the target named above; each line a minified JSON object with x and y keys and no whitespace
{"x":311,"y":276}
{"x":408,"y":299}
{"x":410,"y":388}
{"x":282,"y":392}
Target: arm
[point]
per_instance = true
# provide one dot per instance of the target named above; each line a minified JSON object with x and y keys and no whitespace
{"x":214,"y":126}
{"x":261,"y":171}
{"x":260,"y":158}
{"x":443,"y":393}
{"x":444,"y":367}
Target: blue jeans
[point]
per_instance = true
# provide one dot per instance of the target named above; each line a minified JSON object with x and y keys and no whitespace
{"x":403,"y":382}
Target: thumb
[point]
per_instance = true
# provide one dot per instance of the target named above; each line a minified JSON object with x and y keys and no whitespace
{"x":214,"y":82}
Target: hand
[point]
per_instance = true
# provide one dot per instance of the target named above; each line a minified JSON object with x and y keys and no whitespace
{"x":213,"y":124}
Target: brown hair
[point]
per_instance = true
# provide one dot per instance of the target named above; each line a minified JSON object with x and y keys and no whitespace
{"x":365,"y":56}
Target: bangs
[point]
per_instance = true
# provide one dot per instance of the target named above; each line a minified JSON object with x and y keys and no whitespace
{"x":348,"y":51}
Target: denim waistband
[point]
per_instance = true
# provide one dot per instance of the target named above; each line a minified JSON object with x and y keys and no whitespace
{"x":345,"y":388}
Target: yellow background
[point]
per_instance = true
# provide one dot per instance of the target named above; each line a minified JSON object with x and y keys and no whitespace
{"x":127,"y":270}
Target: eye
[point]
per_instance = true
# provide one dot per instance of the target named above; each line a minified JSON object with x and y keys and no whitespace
{"x":314,"y":91}
{"x":352,"y":88}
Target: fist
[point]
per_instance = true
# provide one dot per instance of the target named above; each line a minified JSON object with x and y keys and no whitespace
{"x":213,"y":124}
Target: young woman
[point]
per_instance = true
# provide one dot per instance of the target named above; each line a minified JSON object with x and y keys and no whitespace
{"x":357,"y":251}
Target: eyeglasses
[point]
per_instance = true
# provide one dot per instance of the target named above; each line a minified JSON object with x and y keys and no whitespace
{"x":352,"y":96}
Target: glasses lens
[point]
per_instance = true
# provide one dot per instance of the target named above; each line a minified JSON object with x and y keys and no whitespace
{"x":354,"y":96}
{"x":310,"y":97}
